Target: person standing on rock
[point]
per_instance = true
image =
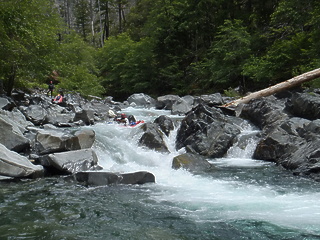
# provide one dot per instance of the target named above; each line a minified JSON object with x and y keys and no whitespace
{"x":50,"y":88}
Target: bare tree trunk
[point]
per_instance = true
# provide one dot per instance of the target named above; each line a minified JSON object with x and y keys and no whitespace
{"x":120,"y":15}
{"x":92,"y":20}
{"x":100,"y":21}
{"x":106,"y":31}
{"x":308,"y":76}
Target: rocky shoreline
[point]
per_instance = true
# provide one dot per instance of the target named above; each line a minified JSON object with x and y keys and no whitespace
{"x":40,"y":139}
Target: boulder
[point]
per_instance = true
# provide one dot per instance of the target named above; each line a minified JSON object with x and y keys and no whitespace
{"x":59,"y":116}
{"x":106,"y":178}
{"x":13,"y":164}
{"x":36,"y":114}
{"x":264,"y":112}
{"x":87,"y":116}
{"x":6,"y":104}
{"x":181,"y":107}
{"x":192,"y":162}
{"x":305,"y":105}
{"x":55,"y":140}
{"x":166,"y":102}
{"x":207,"y":131}
{"x":211,"y":100}
{"x":74,"y":161}
{"x":153,"y":138}
{"x":141,"y":100}
{"x":11,"y":135}
{"x":165,"y":123}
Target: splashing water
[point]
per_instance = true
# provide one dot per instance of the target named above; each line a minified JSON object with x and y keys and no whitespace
{"x":242,"y":198}
{"x":241,"y":188}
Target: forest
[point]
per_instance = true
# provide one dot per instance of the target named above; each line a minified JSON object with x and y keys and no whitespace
{"x":158,"y":47}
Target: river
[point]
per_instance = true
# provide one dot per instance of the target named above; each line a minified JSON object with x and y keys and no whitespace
{"x":242,"y":199}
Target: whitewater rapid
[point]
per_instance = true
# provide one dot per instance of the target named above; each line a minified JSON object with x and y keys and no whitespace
{"x":241,"y":188}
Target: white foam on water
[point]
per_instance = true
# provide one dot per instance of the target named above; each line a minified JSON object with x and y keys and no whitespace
{"x":205,"y":197}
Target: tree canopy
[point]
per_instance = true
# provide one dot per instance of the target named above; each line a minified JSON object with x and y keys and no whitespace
{"x":121,"y":47}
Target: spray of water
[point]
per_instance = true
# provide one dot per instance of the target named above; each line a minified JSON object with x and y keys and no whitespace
{"x":241,"y":188}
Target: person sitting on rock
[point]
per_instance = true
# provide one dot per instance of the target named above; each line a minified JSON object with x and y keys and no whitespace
{"x":58,"y":99}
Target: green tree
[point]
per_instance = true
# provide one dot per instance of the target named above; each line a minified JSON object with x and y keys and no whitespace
{"x":77,"y":67}
{"x":228,"y":54}
{"x":126,"y":66}
{"x":28,"y":39}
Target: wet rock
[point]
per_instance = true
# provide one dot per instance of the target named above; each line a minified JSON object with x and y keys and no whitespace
{"x":264,"y":112}
{"x":207,"y":131}
{"x":165,"y":123}
{"x":106,"y":178}
{"x":153,"y":138}
{"x":13,"y":164}
{"x":192,"y":162}
{"x":74,"y":161}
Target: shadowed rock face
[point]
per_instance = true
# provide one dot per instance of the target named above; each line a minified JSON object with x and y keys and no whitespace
{"x":153,"y":138}
{"x":207,"y":131}
{"x":107,"y":178}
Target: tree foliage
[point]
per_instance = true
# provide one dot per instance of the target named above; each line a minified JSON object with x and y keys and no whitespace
{"x":119,"y":47}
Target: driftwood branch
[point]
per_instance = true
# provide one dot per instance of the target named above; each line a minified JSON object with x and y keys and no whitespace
{"x":308,"y":76}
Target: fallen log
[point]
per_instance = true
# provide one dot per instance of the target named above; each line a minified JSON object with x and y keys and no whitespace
{"x":305,"y":77}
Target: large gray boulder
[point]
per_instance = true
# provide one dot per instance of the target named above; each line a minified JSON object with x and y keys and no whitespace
{"x":55,"y":140}
{"x":141,"y":100}
{"x":181,"y":106}
{"x":13,"y":164}
{"x":74,"y":161}
{"x":166,"y":102}
{"x":192,"y":162}
{"x":6,"y":104}
{"x":306,"y":105}
{"x":106,"y":178}
{"x":152,"y":138}
{"x":264,"y":112}
{"x":165,"y":124}
{"x":207,"y":131}
{"x":59,"y":116}
{"x":37,"y":114}
{"x":85,"y":115}
{"x":11,"y":133}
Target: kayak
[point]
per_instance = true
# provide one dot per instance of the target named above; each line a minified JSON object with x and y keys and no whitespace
{"x":132,"y":124}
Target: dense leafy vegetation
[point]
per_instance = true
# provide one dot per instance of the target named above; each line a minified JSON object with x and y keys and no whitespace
{"x":119,"y":47}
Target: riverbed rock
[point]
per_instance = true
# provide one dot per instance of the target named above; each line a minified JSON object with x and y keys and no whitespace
{"x":152,"y":138}
{"x":100,"y":178}
{"x":166,"y":102}
{"x":265,"y":112}
{"x":165,"y":123}
{"x":11,"y":132}
{"x":305,"y":105}
{"x":14,"y":165}
{"x":192,"y":162}
{"x":207,"y":131}
{"x":141,"y":100}
{"x":74,"y":161}
{"x":35,"y":114}
{"x":55,"y":140}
